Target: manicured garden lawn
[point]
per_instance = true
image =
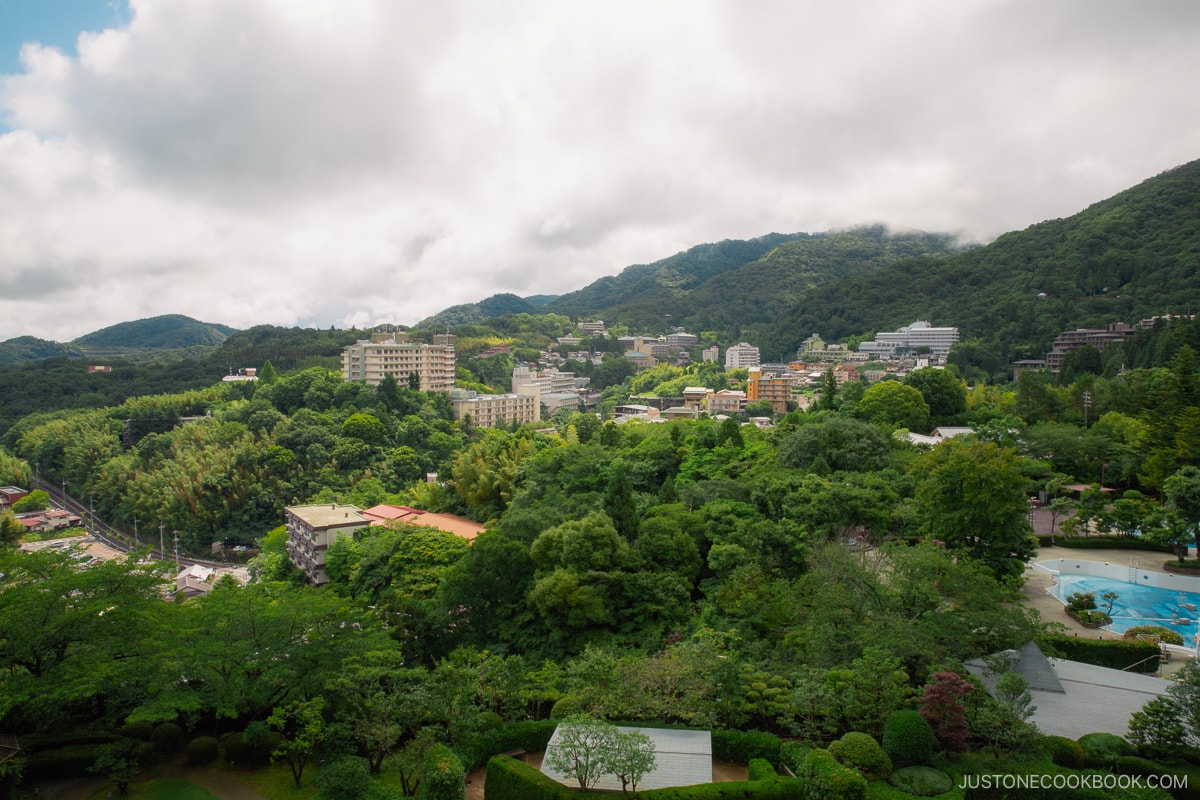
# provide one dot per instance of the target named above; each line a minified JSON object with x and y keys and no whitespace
{"x":276,"y":782}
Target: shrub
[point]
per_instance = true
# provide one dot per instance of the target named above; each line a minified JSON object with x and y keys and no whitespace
{"x":1111,"y":653}
{"x":510,"y":779}
{"x":1064,"y":752}
{"x":444,"y":777}
{"x":825,"y":779}
{"x":908,"y":738}
{"x":72,"y":761}
{"x":475,"y":750}
{"x":238,"y":750}
{"x":1164,"y":634}
{"x":921,"y":781}
{"x":142,"y":731}
{"x":1102,"y":749}
{"x":202,"y":750}
{"x":346,"y":778}
{"x":791,"y":755}
{"x":741,"y":746}
{"x":860,"y":751}
{"x":1132,"y":765}
{"x":167,"y":738}
{"x":488,"y":721}
{"x":565,"y":707}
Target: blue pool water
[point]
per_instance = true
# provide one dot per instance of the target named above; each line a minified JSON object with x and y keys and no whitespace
{"x":1139,"y":605}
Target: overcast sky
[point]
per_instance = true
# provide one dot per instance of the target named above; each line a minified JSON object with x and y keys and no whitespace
{"x":358,"y":162}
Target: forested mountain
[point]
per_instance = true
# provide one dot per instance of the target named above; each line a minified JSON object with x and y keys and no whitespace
{"x":55,"y":383}
{"x":166,"y":332}
{"x":1133,"y":256}
{"x":469,"y":313}
{"x":30,"y":348}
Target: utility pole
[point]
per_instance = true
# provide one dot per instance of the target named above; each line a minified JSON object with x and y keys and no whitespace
{"x":162,"y":549}
{"x":176,"y":548}
{"x":135,"y":536}
{"x":92,"y":506}
{"x":1087,"y":404}
{"x":37,"y":475}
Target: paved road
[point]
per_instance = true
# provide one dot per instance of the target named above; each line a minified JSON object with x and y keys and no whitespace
{"x":119,"y":540}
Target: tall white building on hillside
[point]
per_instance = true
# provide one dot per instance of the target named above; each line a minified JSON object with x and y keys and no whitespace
{"x":742,"y":356}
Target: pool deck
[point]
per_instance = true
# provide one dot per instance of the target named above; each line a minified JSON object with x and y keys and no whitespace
{"x":1051,"y":609}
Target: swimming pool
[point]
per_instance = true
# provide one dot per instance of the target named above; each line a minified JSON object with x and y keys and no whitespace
{"x":1138,"y":604}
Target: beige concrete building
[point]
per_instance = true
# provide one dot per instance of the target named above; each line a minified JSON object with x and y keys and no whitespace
{"x":369,"y":361}
{"x":489,"y":410}
{"x":726,"y":401}
{"x":310,"y":531}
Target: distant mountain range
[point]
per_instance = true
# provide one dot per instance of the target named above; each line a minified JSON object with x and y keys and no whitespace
{"x":1132,"y":256}
{"x":128,"y":339}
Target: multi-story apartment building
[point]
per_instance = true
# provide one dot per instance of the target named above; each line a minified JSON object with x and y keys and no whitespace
{"x":726,"y":401}
{"x":591,"y":328}
{"x":742,"y":356}
{"x":775,"y":389}
{"x":489,"y":410}
{"x":548,"y":380}
{"x":682,"y":339}
{"x":710,"y":354}
{"x":919,"y":337}
{"x":310,"y":531}
{"x":1099,"y":338}
{"x":369,"y":361}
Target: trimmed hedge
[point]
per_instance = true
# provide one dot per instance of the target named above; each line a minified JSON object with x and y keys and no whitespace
{"x":861,"y":752}
{"x":1064,"y":752}
{"x":825,"y":779}
{"x":1111,"y":653}
{"x":921,"y":781}
{"x":475,"y":750}
{"x":167,"y":738}
{"x":742,"y":746}
{"x":1103,"y":749}
{"x":511,"y":779}
{"x":72,"y":761}
{"x":202,"y":750}
{"x":791,"y":755}
{"x":908,"y":738}
{"x":1102,"y":543}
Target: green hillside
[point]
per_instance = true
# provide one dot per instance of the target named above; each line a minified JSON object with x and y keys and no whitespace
{"x":647,"y":286}
{"x":171,"y":331}
{"x":471,"y":313}
{"x":1133,"y":256}
{"x":23,"y":349}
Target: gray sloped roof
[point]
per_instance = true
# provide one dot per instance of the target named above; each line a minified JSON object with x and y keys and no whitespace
{"x":1089,"y":699}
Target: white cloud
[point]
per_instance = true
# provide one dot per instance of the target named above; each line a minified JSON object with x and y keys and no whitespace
{"x":296,"y":162}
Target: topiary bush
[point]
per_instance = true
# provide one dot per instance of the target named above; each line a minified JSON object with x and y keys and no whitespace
{"x":565,"y":707}
{"x":921,"y":781}
{"x":167,"y":738}
{"x":444,"y":777}
{"x":1064,"y":752}
{"x":823,"y":777}
{"x":908,"y":738}
{"x":1100,"y":750}
{"x":202,"y":750}
{"x":860,"y":751}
